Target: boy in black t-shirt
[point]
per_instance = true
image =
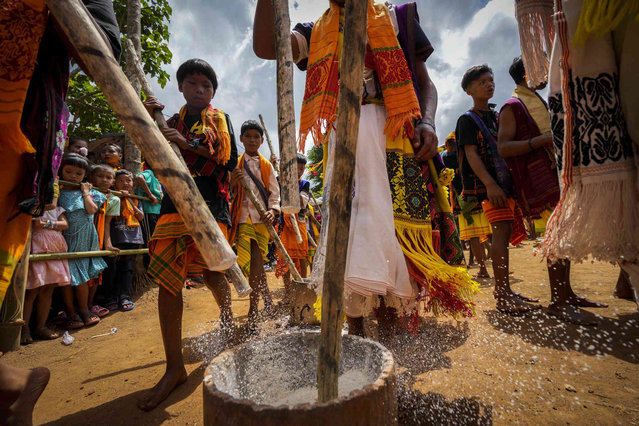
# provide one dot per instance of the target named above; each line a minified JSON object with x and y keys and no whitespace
{"x":207,"y":144}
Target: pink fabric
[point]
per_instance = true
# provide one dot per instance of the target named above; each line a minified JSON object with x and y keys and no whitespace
{"x":48,"y":241}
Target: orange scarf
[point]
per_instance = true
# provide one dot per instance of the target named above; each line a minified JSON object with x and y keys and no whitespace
{"x":236,"y":205}
{"x":127,"y":212}
{"x":216,"y":132}
{"x":322,"y":78}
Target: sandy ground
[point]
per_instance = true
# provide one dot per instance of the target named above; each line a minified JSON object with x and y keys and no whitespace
{"x":491,"y":369}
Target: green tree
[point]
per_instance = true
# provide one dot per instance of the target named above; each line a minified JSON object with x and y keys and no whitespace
{"x":315,"y":156}
{"x":91,"y":113}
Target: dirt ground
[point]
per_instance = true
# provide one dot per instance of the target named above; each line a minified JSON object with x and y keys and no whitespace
{"x":494,"y":368}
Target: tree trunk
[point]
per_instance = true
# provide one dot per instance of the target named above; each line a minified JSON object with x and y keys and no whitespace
{"x":132,"y":160}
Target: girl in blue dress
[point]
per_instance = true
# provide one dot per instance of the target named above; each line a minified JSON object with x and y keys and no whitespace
{"x":80,"y":206}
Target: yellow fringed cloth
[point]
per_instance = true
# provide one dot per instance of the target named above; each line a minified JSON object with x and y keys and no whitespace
{"x":319,"y":105}
{"x":23,"y":24}
{"x":599,"y":17}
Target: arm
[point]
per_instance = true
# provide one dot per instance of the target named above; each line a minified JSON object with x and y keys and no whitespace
{"x":507,"y":146}
{"x":173,"y":135}
{"x":496,"y":195}
{"x":89,"y":204}
{"x":62,"y":223}
{"x":139,"y":214}
{"x":264,"y":31}
{"x":425,"y":138}
{"x":142,"y":184}
{"x":273,"y":207}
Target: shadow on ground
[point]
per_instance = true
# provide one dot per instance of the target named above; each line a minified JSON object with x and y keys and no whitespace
{"x":618,"y":337}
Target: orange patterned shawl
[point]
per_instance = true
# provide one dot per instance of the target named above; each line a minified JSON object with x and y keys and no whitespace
{"x":216,"y":131}
{"x":322,"y":77}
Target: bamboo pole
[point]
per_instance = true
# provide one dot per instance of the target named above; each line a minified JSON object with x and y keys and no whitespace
{"x":290,"y":197}
{"x":268,"y":139}
{"x":311,"y":240}
{"x":349,"y":102}
{"x":234,"y":273}
{"x":116,"y":193}
{"x":12,"y":308}
{"x":40,"y":257}
{"x":82,"y":34}
{"x":296,"y":229}
{"x":315,"y":221}
{"x":440,"y":194}
{"x":271,"y":230}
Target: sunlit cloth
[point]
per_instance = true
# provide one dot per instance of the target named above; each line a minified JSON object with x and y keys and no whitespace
{"x":246,"y":233}
{"x":540,"y":222}
{"x":535,"y":36}
{"x":597,"y":215}
{"x":478,"y":228}
{"x":319,"y":105}
{"x":512,"y":213}
{"x":297,"y":251}
{"x":173,"y":253}
{"x":23,"y":24}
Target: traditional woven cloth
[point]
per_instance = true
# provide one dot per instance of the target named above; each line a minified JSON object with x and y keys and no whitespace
{"x":173,"y":253}
{"x":479,"y":228}
{"x":322,"y":78}
{"x":535,"y":106}
{"x":23,"y":24}
{"x":512,"y":213}
{"x":216,"y":133}
{"x":535,"y":36}
{"x":597,"y":214}
{"x":297,"y":251}
{"x":236,"y":205}
{"x":246,"y":233}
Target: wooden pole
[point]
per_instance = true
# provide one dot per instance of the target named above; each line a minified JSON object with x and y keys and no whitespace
{"x":271,"y":230}
{"x":296,"y":228}
{"x":234,"y":273}
{"x":349,"y":101}
{"x":268,"y":140}
{"x":40,"y":257}
{"x":80,"y":31}
{"x":290,"y":197}
{"x":11,"y":320}
{"x":132,"y":158}
{"x":315,"y":222}
{"x":116,"y":193}
{"x":311,"y":240}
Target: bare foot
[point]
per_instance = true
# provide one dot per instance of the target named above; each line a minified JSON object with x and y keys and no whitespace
{"x":45,"y":333}
{"x":483,"y":273}
{"x":513,"y":305}
{"x":269,"y":312}
{"x":524,"y":298}
{"x":25,"y":335}
{"x":582,"y":302}
{"x":159,"y":392}
{"x":570,"y":313}
{"x":22,"y":409}
{"x":623,"y":290}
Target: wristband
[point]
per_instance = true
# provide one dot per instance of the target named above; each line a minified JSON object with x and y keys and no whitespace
{"x":194,"y":144}
{"x":426,"y":122}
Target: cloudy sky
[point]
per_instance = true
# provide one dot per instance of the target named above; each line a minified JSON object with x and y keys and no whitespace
{"x":463,"y":32}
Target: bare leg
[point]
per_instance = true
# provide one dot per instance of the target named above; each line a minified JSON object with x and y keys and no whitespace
{"x":355,"y":326}
{"x":623,"y":290}
{"x":219,"y":286}
{"x":29,"y":299}
{"x":92,"y":291}
{"x":19,"y":392}
{"x":560,"y":290}
{"x":575,"y":300}
{"x":259,"y":277}
{"x":387,"y":322}
{"x":170,"y":312}
{"x":82,"y":294}
{"x":42,"y":312}
{"x":67,"y":295}
{"x":478,"y":251}
{"x":507,"y":301}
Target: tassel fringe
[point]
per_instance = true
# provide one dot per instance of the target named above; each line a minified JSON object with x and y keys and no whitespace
{"x":535,"y":35}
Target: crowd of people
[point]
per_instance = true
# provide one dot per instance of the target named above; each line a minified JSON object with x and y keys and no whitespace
{"x":405,"y":240}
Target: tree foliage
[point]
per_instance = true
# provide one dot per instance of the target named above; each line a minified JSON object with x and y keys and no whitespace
{"x":315,"y":155}
{"x":91,"y":113}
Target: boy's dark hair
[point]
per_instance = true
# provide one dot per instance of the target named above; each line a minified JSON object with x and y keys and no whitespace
{"x":117,"y":147}
{"x":473,"y":74}
{"x":75,"y":160}
{"x":251,"y":125}
{"x":197,"y":66}
{"x":74,"y":139}
{"x":301,"y":158}
{"x":98,"y":167}
{"x":123,"y":172}
{"x":517,"y":70}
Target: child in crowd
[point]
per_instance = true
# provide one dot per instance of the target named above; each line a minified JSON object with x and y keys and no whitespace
{"x":78,"y":145}
{"x":207,"y":144}
{"x":126,"y":234}
{"x":111,"y":154}
{"x":44,"y":276}
{"x":81,"y":235}
{"x":102,"y":177}
{"x":149,"y":186}
{"x":249,"y":230}
{"x":297,"y":251}
{"x":486,"y":180}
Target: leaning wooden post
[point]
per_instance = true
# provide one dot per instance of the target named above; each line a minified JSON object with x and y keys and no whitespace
{"x":234,"y":273}
{"x":11,"y":320}
{"x":290,"y":197}
{"x":268,"y":139}
{"x":85,"y":39}
{"x":271,"y":230}
{"x":350,"y":94}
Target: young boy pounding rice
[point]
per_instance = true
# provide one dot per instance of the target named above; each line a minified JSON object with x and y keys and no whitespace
{"x":207,"y":143}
